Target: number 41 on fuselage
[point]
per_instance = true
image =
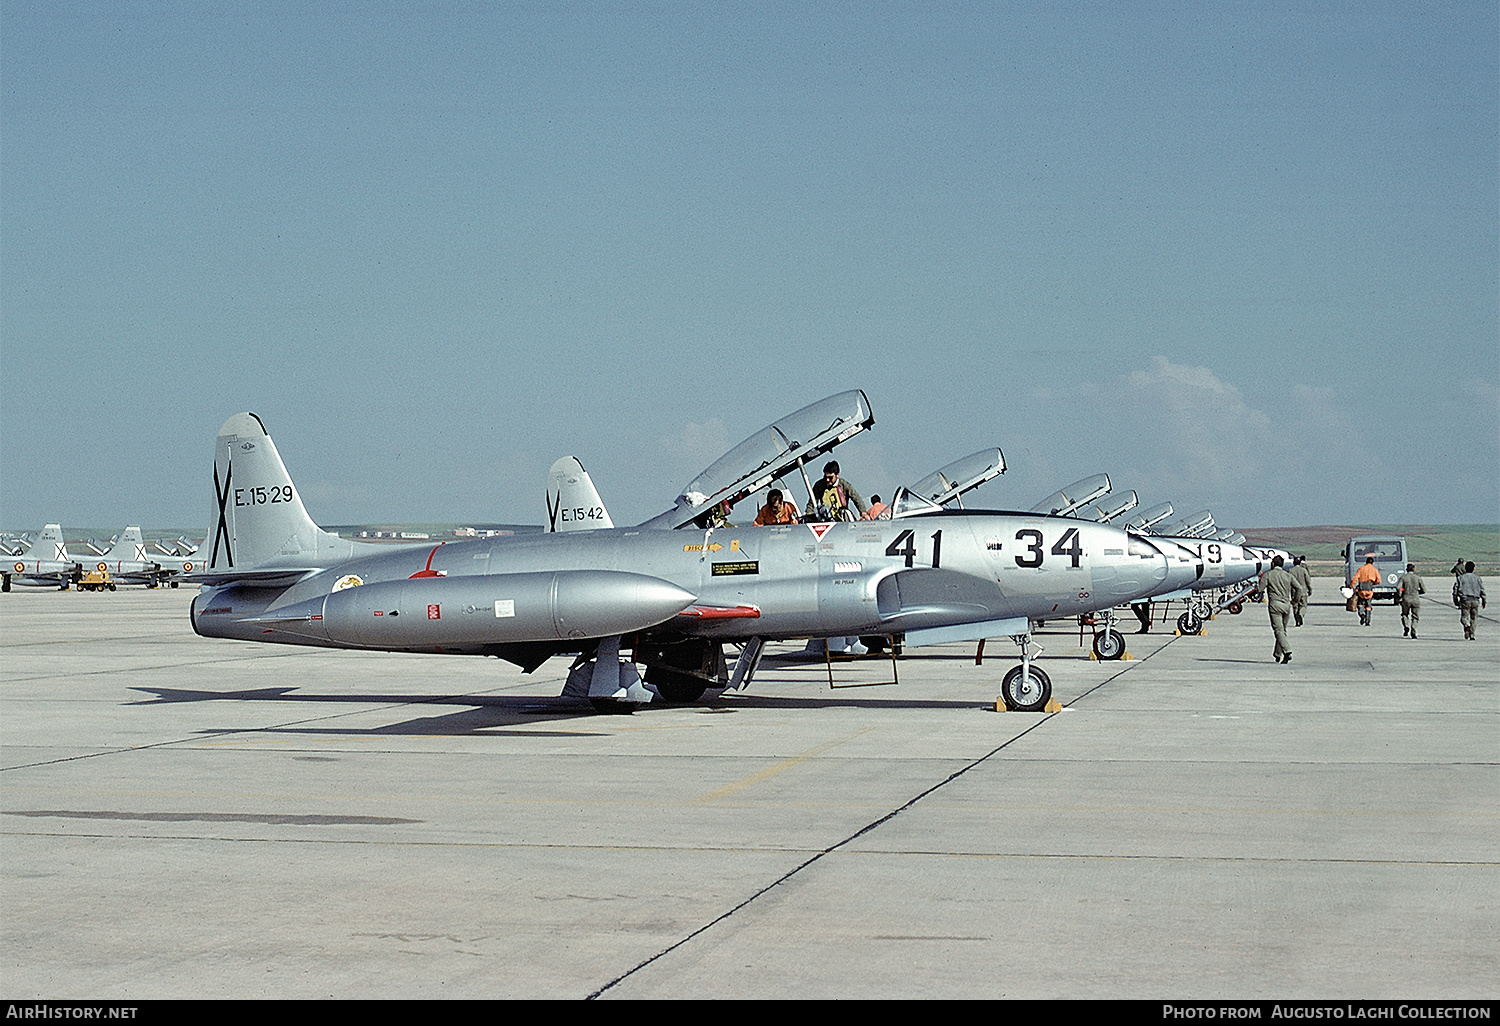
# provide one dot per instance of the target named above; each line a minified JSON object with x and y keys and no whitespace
{"x":675,"y":596}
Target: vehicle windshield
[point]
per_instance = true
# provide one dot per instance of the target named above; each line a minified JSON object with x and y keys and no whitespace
{"x":1383,"y":551}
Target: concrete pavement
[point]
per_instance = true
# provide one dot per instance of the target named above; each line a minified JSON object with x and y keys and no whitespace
{"x":182,"y":817}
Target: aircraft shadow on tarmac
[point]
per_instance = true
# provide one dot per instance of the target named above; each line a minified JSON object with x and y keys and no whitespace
{"x":483,"y":713}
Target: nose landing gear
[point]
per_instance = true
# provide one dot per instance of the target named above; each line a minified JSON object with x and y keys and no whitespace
{"x":1025,"y":688}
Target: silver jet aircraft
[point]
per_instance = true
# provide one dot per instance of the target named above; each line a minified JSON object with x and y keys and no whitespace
{"x":46,"y":563}
{"x":127,"y":560}
{"x":674,"y":596}
{"x":1226,"y":563}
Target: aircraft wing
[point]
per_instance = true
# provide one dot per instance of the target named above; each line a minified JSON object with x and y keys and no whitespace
{"x":264,"y":577}
{"x":769,"y":453}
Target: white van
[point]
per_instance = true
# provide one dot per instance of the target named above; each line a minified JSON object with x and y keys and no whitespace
{"x":1390,"y":559}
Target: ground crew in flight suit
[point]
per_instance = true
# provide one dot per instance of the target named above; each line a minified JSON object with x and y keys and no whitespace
{"x":1409,"y":590}
{"x":1304,"y":577}
{"x":1468,"y":596}
{"x":1363,"y":583}
{"x":1281,"y":590}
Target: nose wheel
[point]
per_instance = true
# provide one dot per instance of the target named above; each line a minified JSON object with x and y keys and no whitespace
{"x":1109,"y":644}
{"x":1025,"y":688}
{"x":1190,"y":623}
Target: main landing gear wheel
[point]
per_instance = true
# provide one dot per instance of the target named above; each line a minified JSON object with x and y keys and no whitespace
{"x":1189,"y":623}
{"x":1026,"y":691}
{"x":675,"y":687}
{"x":1109,"y":644}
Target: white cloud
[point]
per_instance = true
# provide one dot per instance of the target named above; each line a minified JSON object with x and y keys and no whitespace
{"x":1183,"y":433}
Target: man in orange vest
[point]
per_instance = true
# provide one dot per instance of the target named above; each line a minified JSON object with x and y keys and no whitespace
{"x":1365,"y":579}
{"x":775,"y":511}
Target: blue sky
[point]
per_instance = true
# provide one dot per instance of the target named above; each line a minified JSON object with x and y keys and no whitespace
{"x":1241,"y":257}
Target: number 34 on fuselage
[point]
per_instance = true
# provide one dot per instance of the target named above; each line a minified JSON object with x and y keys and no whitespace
{"x":274,"y":576}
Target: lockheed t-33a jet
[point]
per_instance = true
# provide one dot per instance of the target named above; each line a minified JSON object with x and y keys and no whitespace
{"x":674,"y":590}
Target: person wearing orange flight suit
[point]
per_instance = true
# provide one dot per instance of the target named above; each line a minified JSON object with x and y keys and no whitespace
{"x":1365,"y":579}
{"x":775,"y":511}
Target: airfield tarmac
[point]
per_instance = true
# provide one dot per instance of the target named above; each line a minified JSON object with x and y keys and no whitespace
{"x":191,"y":818}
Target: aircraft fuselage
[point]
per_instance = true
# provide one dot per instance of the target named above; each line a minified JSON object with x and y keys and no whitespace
{"x":799,"y":580}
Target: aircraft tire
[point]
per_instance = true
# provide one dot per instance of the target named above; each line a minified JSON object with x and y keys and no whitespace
{"x":1026,"y":695}
{"x":679,"y":688}
{"x":5,"y":585}
{"x":1109,"y":644}
{"x":1189,"y":623}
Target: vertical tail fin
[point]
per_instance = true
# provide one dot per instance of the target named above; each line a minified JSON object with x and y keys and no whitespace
{"x":573,"y":503}
{"x":258,"y":516}
{"x":50,"y":545}
{"x":129,"y":546}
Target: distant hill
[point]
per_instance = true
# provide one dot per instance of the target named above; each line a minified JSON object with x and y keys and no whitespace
{"x":1434,"y":547}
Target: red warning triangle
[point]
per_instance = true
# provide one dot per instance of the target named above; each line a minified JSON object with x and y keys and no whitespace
{"x":819,"y":529}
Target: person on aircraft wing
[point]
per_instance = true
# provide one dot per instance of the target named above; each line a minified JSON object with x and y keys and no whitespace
{"x":1363,"y":583}
{"x":1304,"y":577}
{"x":877,"y":508}
{"x":832,"y":497}
{"x":776,"y":510}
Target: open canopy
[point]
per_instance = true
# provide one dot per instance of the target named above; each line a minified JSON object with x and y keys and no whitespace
{"x":1196,"y":526}
{"x":1154,"y":515}
{"x":1064,"y":502}
{"x":772,"y":451}
{"x":1106,"y":508}
{"x":948,"y":483}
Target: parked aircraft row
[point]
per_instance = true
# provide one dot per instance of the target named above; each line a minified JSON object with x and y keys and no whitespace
{"x":680,"y":587}
{"x":48,"y":563}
